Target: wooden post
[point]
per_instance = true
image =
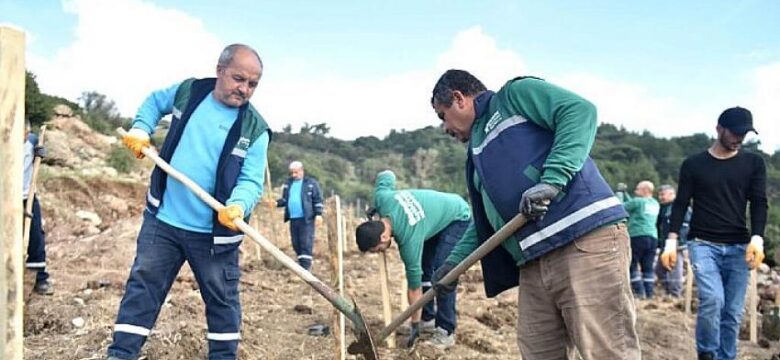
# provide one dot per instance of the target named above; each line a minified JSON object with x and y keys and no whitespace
{"x":386,"y":306}
{"x":269,"y":195}
{"x":688,"y":287}
{"x":12,"y":71}
{"x":334,"y":225}
{"x":753,"y":306}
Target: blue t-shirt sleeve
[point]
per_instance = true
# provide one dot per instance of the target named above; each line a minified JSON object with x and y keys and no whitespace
{"x":249,"y":185}
{"x":158,"y":104}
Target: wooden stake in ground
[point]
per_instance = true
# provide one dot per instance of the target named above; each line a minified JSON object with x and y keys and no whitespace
{"x":334,"y":225}
{"x":688,"y":287}
{"x":269,"y":196}
{"x":753,"y":306}
{"x":386,"y":308}
{"x":12,"y":70}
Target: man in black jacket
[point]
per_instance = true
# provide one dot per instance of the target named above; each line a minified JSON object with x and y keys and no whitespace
{"x":302,"y":202}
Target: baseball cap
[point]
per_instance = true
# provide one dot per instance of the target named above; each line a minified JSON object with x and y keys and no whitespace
{"x":738,"y":120}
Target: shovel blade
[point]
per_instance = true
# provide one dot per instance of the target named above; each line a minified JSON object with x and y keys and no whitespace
{"x":364,"y":345}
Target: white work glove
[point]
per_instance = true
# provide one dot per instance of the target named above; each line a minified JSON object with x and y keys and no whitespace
{"x":669,"y":256}
{"x":754,"y":255}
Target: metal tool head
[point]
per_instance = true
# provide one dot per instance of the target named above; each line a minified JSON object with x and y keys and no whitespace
{"x":364,"y":345}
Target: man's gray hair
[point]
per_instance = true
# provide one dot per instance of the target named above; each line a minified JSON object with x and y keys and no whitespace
{"x":226,"y":57}
{"x":666,"y":187}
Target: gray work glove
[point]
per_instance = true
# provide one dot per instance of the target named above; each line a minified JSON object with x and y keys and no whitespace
{"x":440,"y":273}
{"x":39,"y":151}
{"x":621,"y":187}
{"x":413,"y":334}
{"x":535,"y":201}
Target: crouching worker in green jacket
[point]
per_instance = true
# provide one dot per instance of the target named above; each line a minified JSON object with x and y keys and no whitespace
{"x":425,"y":224}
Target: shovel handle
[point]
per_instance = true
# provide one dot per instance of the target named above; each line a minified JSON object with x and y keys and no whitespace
{"x":333,"y":297}
{"x":502,"y":234}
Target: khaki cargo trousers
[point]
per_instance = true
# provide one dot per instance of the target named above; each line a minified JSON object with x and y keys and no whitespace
{"x":579,"y":297}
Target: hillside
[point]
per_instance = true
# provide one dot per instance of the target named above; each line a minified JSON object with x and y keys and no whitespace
{"x":89,"y":258}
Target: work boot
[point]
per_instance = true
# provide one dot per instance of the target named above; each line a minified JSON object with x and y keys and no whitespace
{"x":441,"y":339}
{"x":706,"y":356}
{"x":427,"y":326}
{"x":43,"y":287}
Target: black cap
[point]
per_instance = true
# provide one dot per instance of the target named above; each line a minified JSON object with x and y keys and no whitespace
{"x":738,"y":120}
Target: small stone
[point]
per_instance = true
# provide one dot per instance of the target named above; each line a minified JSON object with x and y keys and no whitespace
{"x":91,"y":230}
{"x":303,"y":309}
{"x":89,"y":216}
{"x":87,"y":292}
{"x":78,"y":322}
{"x":764,"y":268}
{"x":79,"y":302}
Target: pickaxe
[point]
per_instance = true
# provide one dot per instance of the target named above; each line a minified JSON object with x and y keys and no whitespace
{"x":361,"y":345}
{"x":349,"y":309}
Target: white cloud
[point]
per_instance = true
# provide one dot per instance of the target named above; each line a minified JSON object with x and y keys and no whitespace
{"x":765,"y":105}
{"x":373,"y":106}
{"x":125,"y":49}
{"x":636,"y":108}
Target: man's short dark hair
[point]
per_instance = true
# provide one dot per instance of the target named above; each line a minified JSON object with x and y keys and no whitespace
{"x":368,"y":234}
{"x":452,"y":80}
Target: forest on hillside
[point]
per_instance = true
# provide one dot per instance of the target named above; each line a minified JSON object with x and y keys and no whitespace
{"x":423,"y":158}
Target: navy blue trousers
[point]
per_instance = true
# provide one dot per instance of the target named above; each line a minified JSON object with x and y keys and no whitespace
{"x":36,"y":248}
{"x":435,"y":252}
{"x":302,"y":234}
{"x":160,"y":253}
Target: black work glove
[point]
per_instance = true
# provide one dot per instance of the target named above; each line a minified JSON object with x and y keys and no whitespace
{"x":440,"y":273}
{"x":39,"y":151}
{"x":535,"y":201}
{"x":413,"y":334}
{"x":370,"y":212}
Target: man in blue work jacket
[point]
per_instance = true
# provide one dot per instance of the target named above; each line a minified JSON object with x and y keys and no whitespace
{"x":302,"y":203}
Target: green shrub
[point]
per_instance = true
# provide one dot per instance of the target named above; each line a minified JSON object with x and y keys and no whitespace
{"x":121,"y":159}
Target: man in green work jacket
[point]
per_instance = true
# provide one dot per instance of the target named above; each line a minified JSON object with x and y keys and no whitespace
{"x":425,"y":224}
{"x":528,"y":147}
{"x":643,"y":213}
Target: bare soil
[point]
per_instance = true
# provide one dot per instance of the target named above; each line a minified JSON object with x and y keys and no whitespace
{"x":89,"y":272}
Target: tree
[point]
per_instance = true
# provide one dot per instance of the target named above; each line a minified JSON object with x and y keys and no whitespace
{"x":100,"y":112}
{"x":39,"y":107}
{"x":36,"y":107}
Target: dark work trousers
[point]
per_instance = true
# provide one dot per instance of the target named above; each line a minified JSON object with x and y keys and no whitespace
{"x":435,"y":252}
{"x":642,"y":274}
{"x":36,"y":248}
{"x":302,"y":234}
{"x":161,"y":251}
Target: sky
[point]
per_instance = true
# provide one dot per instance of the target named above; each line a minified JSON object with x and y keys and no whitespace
{"x":365,"y":67}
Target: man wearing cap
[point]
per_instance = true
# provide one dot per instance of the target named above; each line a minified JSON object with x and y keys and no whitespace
{"x":721,"y":182}
{"x":302,"y":203}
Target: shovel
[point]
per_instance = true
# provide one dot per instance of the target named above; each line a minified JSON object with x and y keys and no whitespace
{"x":361,"y":345}
{"x":349,"y":309}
